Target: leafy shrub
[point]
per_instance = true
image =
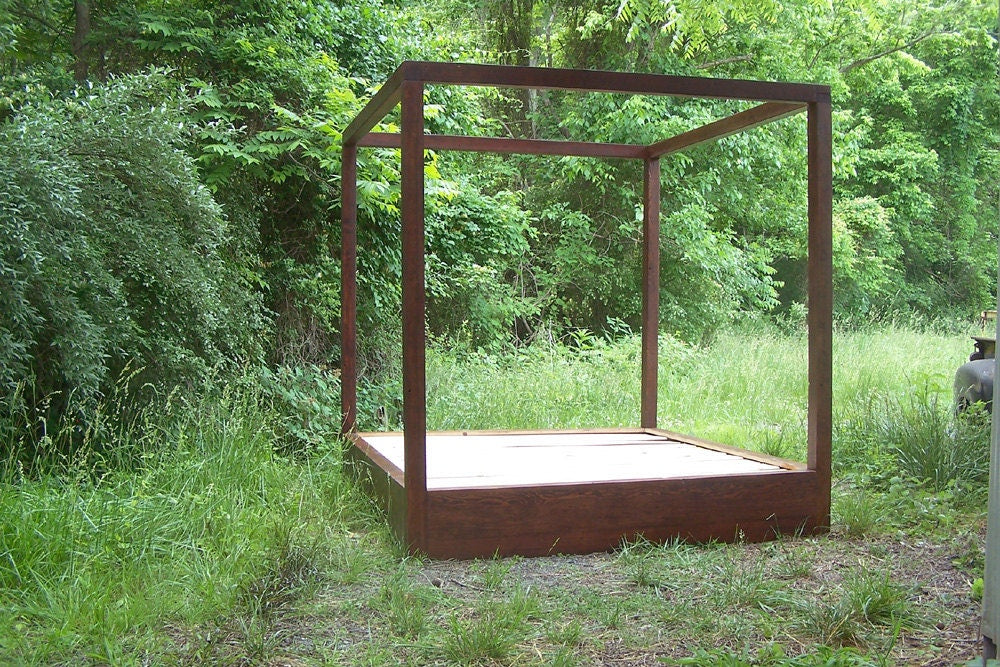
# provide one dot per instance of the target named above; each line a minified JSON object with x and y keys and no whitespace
{"x":308,"y":399}
{"x":114,"y":255}
{"x":916,"y":437}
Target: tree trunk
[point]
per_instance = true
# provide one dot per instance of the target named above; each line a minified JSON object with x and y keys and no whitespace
{"x":81,"y":32}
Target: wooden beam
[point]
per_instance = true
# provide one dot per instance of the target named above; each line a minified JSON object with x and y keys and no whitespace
{"x":507,"y":145}
{"x":744,"y":120}
{"x":597,"y":81}
{"x":820,"y":295}
{"x":583,"y":518}
{"x":650,"y":291}
{"x":414,"y":299}
{"x":348,"y":288}
{"x":378,"y":106}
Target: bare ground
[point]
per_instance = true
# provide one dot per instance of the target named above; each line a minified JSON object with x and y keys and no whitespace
{"x":647,"y":607}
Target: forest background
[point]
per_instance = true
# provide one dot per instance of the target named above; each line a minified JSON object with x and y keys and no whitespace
{"x":169,"y":173}
{"x":172,"y":482}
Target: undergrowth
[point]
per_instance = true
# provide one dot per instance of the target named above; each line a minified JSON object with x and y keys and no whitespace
{"x":192,"y":529}
{"x":202,"y":520}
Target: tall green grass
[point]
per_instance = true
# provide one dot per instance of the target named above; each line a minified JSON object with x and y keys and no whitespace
{"x":97,"y":563}
{"x":747,"y":388}
{"x":179,"y":531}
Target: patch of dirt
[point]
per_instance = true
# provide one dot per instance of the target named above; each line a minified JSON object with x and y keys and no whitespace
{"x":945,"y":620}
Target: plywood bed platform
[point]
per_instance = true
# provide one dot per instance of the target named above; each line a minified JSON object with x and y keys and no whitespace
{"x":543,"y":492}
{"x":476,"y":494}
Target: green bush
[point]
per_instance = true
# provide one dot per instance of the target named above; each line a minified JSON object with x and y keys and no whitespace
{"x":114,"y":255}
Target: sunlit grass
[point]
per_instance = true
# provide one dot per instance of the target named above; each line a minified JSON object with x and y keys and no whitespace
{"x":95,"y":564}
{"x":190,"y":537}
{"x":747,"y":388}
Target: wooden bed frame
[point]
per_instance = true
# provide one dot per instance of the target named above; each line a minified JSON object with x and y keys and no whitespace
{"x":464,"y":505}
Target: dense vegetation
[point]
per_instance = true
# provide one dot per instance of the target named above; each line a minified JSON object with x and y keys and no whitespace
{"x":195,"y":542}
{"x":170,"y":471}
{"x":154,"y":152}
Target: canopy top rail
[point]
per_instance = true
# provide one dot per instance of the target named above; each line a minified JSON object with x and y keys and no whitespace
{"x":779,"y":100}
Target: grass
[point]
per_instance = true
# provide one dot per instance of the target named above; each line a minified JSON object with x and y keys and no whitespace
{"x":745,"y":394}
{"x":199,"y":536}
{"x":97,"y":565}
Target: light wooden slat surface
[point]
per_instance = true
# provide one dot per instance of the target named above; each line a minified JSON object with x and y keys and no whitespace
{"x":457,"y":461}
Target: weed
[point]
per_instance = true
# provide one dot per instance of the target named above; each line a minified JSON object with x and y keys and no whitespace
{"x":794,"y":562}
{"x":565,"y":657}
{"x":865,"y":600}
{"x":492,"y":633}
{"x":929,"y":444}
{"x":830,"y":621}
{"x":350,"y":560}
{"x":640,"y":559}
{"x":186,"y":516}
{"x":406,"y":608}
{"x":874,"y":597}
{"x":568,"y":634}
{"x":493,"y":572}
{"x":976,"y":589}
{"x":773,"y":656}
{"x":859,"y":513}
{"x":742,"y":583}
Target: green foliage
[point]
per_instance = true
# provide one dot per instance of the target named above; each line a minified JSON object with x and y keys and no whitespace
{"x":115,"y":255}
{"x":308,"y":400}
{"x":474,"y":243}
{"x":202,"y":543}
{"x":867,"y":270}
{"x":918,"y":437}
{"x":211,"y":534}
{"x":493,"y":634}
{"x":775,"y":656}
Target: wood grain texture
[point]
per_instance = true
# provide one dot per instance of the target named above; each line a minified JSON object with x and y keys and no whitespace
{"x":375,"y":110}
{"x":820,"y":291}
{"x":348,"y":288}
{"x":729,"y":449}
{"x":598,"y":81}
{"x":377,"y":457}
{"x":650,"y":292}
{"x":414,"y":309}
{"x":387,"y":489}
{"x":744,"y":120}
{"x":504,"y":145}
{"x":554,"y":458}
{"x":534,"y":521}
{"x":549,"y":516}
{"x":566,"y":517}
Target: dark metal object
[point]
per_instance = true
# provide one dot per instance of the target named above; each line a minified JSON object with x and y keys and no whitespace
{"x":406,"y":85}
{"x":974,"y":379}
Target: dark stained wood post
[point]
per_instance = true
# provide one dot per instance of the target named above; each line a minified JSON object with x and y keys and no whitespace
{"x":466,"y":522}
{"x":414,"y":297}
{"x":820,"y":319}
{"x":349,"y":287}
{"x":650,"y":289}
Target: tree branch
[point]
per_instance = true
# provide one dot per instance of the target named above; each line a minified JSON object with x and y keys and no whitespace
{"x":725,"y":61}
{"x":861,"y":62}
{"x":19,"y":10}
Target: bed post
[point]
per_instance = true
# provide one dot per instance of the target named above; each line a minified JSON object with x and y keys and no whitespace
{"x":820,"y":297}
{"x":650,"y":289}
{"x":414,"y":296}
{"x":348,"y":288}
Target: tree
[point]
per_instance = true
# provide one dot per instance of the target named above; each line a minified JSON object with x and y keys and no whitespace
{"x":115,"y":256}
